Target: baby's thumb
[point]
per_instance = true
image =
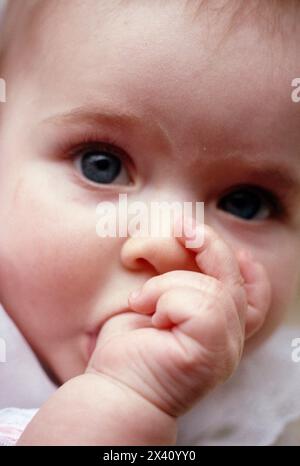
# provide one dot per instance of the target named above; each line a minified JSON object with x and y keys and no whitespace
{"x":258,"y":289}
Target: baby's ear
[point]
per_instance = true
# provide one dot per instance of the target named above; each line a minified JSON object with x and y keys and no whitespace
{"x":259,"y":292}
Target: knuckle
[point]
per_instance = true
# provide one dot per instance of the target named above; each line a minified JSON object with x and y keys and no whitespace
{"x":165,"y":299}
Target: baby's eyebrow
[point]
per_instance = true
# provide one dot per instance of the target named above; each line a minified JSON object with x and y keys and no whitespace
{"x":285,"y":174}
{"x":80,"y":114}
{"x":114,"y":119}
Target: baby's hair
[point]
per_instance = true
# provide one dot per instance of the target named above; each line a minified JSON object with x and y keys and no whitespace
{"x":240,"y":8}
{"x":270,"y":15}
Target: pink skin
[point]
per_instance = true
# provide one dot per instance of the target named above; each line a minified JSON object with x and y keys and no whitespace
{"x":58,"y":280}
{"x":188,"y":330}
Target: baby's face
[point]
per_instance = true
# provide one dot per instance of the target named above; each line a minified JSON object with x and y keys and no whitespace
{"x":193,"y":116}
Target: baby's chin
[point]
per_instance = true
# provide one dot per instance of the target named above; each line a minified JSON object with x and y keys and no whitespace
{"x":55,"y":378}
{"x":62,"y":375}
{"x":63,"y":367}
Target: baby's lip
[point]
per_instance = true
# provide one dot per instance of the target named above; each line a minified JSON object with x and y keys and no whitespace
{"x":95,"y":329}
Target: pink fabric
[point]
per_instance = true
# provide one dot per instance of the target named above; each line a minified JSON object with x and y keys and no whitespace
{"x":13,"y":421}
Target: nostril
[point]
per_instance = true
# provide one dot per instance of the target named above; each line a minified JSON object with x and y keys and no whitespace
{"x":142,"y":263}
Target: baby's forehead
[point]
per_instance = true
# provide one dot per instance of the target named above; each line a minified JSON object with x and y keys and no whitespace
{"x":66,"y":33}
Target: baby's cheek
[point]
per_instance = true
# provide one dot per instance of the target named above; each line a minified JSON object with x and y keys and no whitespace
{"x":284,"y":273}
{"x":54,"y":263}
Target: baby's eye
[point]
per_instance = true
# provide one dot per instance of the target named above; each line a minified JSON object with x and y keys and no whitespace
{"x":102,"y":165}
{"x":249,"y":203}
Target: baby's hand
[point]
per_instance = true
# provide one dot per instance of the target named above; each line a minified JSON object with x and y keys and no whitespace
{"x":187,"y":331}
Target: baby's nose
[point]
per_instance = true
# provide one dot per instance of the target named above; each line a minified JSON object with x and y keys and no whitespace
{"x":162,"y":254}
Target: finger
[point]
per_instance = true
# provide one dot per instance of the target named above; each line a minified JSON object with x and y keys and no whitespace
{"x":153,"y":288}
{"x":195,"y":315}
{"x":217,"y":259}
{"x":120,"y":324}
{"x":258,"y":290}
{"x":214,"y":256}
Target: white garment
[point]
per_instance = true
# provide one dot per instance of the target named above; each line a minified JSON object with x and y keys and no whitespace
{"x":254,"y":407}
{"x":3,"y":4}
{"x":23,"y":382}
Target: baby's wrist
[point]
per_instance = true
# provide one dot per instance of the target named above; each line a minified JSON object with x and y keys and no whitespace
{"x":133,"y":418}
{"x":92,"y":409}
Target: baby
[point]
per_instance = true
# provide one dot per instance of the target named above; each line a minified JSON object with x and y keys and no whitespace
{"x":169,"y":100}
